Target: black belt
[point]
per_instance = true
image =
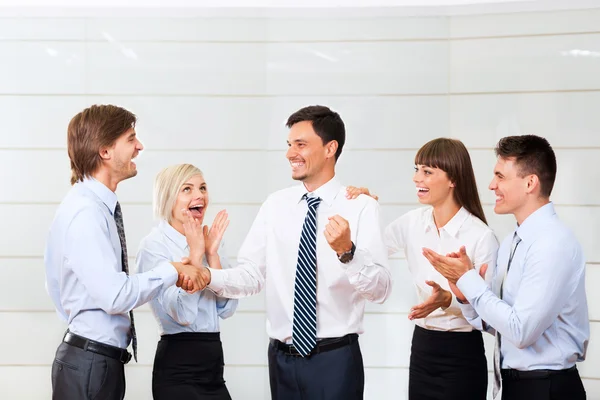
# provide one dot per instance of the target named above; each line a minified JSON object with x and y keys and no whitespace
{"x":514,"y":374}
{"x":321,"y":347}
{"x":96,"y":347}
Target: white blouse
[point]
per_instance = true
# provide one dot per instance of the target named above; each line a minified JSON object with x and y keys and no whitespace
{"x":416,"y":229}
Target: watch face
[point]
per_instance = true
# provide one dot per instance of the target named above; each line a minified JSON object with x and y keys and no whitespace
{"x":346,"y":257}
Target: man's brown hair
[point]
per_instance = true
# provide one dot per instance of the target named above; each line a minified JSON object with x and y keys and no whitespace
{"x":92,"y":129}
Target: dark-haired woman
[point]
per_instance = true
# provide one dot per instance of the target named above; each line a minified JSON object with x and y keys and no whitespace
{"x":447,"y":355}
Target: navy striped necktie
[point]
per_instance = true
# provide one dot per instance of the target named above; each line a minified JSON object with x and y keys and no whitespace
{"x":121,"y":230}
{"x":304,"y":333}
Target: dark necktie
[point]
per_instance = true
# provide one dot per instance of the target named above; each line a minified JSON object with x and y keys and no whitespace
{"x":497,"y":355}
{"x":121,"y":230}
{"x":304,"y":330}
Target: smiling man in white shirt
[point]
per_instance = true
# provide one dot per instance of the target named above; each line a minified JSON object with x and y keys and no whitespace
{"x":320,"y":257}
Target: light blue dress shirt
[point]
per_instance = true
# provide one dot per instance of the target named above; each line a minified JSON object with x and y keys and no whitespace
{"x":83,"y":267}
{"x":176,"y":310}
{"x":543,"y":315}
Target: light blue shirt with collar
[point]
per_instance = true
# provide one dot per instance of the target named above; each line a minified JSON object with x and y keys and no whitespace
{"x":84,"y":273}
{"x":176,"y":310}
{"x":543,"y":315}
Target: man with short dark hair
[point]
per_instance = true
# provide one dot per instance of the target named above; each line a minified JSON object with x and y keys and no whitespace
{"x":86,"y":260}
{"x":537,"y":304}
{"x":320,"y":256}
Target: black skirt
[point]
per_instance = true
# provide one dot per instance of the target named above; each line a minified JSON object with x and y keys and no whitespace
{"x":189,"y":366}
{"x":447,"y":366}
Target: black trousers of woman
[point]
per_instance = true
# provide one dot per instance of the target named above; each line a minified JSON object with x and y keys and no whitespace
{"x":189,"y":366}
{"x":447,"y":366}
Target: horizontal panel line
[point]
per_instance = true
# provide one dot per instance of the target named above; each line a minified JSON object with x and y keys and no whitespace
{"x":243,"y":150}
{"x":257,"y":204}
{"x":443,"y":39}
{"x":521,"y":35}
{"x":279,"y":95}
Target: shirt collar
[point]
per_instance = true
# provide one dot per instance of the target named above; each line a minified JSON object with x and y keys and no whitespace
{"x":429,"y":222}
{"x":452,"y":226}
{"x":532,"y":224}
{"x":327,"y":192}
{"x":173,"y":234}
{"x":107,"y":196}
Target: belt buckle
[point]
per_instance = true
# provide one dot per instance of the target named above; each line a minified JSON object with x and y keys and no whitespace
{"x":125,"y":357}
{"x":292,"y":351}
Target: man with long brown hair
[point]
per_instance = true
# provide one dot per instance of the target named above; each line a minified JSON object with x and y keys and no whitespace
{"x":87,"y":273}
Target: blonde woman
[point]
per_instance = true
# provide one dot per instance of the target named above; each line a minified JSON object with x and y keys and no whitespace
{"x":447,"y":359}
{"x":189,"y":358}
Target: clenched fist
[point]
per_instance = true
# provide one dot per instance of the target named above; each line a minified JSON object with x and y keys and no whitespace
{"x":337,"y":233}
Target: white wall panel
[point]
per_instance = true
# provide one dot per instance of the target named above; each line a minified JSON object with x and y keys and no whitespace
{"x":524,"y":23}
{"x":356,"y":29}
{"x":565,"y":119}
{"x":42,"y":67}
{"x":37,"y":121}
{"x":42,"y":29}
{"x":524,"y":64}
{"x":116,"y":30}
{"x":357,"y":68}
{"x":176,"y":68}
{"x":265,"y":29}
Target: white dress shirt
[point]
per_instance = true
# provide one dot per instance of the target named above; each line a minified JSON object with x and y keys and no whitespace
{"x":269,"y":255}
{"x":416,"y":229}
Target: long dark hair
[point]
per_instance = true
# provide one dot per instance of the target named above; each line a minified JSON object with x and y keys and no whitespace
{"x":452,"y":157}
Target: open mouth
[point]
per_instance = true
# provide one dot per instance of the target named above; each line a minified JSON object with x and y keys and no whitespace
{"x":422,"y":191}
{"x":197,"y":210}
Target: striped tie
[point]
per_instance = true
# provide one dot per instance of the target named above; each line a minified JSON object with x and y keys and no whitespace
{"x":497,"y":392}
{"x":304,"y":333}
{"x":121,"y":230}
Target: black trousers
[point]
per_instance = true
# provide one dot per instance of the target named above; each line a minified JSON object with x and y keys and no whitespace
{"x":82,"y":375}
{"x":189,"y":366}
{"x":447,"y":366}
{"x":565,"y":385}
{"x":331,"y":375}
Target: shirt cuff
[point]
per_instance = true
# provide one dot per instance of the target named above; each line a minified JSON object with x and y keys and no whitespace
{"x":453,"y":304}
{"x":167,"y":273}
{"x":217,"y":280}
{"x":471,"y":285}
{"x":468,"y":311}
{"x":360,"y":259}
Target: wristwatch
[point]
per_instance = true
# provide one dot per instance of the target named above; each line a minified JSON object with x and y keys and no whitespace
{"x":346,"y":257}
